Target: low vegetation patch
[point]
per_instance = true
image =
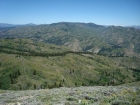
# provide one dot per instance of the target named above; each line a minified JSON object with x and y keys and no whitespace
{"x":96,"y":95}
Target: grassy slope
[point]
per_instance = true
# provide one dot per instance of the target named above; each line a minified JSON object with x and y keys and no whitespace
{"x":30,"y":45}
{"x":68,"y":70}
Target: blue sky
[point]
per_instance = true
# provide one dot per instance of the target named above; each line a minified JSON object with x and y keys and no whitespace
{"x":104,"y":12}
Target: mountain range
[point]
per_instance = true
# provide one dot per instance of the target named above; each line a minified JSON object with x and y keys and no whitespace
{"x":68,"y":54}
{"x":111,"y":40}
{"x":3,"y":25}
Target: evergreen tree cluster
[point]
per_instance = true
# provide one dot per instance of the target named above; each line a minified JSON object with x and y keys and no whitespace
{"x":29,"y":53}
{"x":14,"y":75}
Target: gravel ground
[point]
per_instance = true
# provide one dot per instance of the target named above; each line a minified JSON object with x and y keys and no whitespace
{"x":96,"y":95}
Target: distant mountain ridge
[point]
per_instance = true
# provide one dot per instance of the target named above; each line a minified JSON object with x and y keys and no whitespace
{"x":3,"y":25}
{"x":135,"y":26}
{"x":32,"y":24}
{"x":111,"y":40}
{"x":6,"y":25}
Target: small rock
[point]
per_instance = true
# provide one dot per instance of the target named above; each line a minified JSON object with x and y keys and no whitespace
{"x":18,"y":103}
{"x":79,"y":101}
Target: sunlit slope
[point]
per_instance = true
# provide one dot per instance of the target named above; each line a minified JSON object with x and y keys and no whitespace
{"x":19,"y":71}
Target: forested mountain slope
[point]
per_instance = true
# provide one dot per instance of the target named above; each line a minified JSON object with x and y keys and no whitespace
{"x":111,"y":41}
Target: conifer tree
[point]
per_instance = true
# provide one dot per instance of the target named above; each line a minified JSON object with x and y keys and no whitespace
{"x":34,"y":86}
{"x":19,"y":72}
{"x":34,"y":73}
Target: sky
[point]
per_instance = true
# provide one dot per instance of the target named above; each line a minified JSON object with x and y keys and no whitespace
{"x":103,"y":12}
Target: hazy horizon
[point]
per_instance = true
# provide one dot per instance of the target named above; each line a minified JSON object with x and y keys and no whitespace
{"x":70,"y":22}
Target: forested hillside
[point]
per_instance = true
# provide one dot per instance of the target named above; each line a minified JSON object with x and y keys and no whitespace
{"x":26,"y":64}
{"x":89,"y":37}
